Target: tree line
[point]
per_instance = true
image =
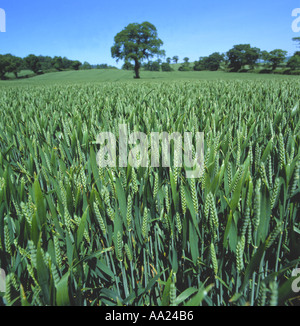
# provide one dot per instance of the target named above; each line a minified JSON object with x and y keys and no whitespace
{"x":40,"y":64}
{"x":137,"y":44}
{"x":244,"y":57}
{"x":237,"y":59}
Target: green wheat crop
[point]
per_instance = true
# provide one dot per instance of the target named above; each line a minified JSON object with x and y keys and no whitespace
{"x":72,"y":233}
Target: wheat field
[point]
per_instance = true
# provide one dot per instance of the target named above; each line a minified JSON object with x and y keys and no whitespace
{"x":72,"y":233}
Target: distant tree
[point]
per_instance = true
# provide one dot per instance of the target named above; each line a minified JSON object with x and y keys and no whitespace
{"x":294,"y":61}
{"x":200,"y":64}
{"x":147,"y":65}
{"x":137,"y":42}
{"x":86,"y":66}
{"x":252,"y":56}
{"x":215,"y":60}
{"x":226,"y":59}
{"x":241,"y":55}
{"x":4,"y":64}
{"x":128,"y":66}
{"x":236,"y":57}
{"x":155,"y":66}
{"x":57,"y":63}
{"x":66,"y":63}
{"x":186,"y":65}
{"x":76,"y":64}
{"x":15,"y":64}
{"x":102,"y":66}
{"x":152,"y":66}
{"x":33,"y":63}
{"x":275,"y":57}
{"x":168,"y":60}
{"x":186,"y":60}
{"x":105,"y":66}
{"x":264,"y":55}
{"x":175,"y":59}
{"x":165,"y":66}
{"x":211,"y":62}
{"x":159,"y":61}
{"x":184,"y":68}
{"x":45,"y":62}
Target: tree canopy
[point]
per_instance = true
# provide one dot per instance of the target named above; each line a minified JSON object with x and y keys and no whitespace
{"x":165,"y":66}
{"x":241,"y":55}
{"x":212,"y":62}
{"x":15,"y":64}
{"x":4,"y":63}
{"x":10,"y":63}
{"x":33,"y":63}
{"x":137,"y":42}
{"x":175,"y":58}
{"x":275,"y":57}
{"x":294,"y":61}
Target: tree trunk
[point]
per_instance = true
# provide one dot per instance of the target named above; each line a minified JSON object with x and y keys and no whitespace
{"x":137,"y":70}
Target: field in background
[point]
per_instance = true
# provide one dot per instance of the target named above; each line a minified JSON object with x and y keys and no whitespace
{"x":97,"y":75}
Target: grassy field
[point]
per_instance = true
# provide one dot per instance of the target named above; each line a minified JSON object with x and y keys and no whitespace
{"x":72,"y":233}
{"x":94,"y":76}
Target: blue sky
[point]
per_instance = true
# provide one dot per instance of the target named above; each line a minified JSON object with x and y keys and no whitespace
{"x":85,"y":30}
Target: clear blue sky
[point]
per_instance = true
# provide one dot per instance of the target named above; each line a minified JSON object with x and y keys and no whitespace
{"x":85,"y":30}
